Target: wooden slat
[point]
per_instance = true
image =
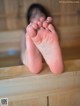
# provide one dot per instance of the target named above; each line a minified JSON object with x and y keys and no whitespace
{"x":12,"y":13}
{"x":24,"y":88}
{"x":68,"y":98}
{"x":42,"y":101}
{"x":20,"y":77}
{"x":71,"y":53}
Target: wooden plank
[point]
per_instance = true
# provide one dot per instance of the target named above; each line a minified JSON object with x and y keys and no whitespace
{"x":42,"y":101}
{"x":70,"y":36}
{"x":15,"y":18}
{"x":24,"y":88}
{"x":10,"y":60}
{"x":18,"y":80}
{"x":10,"y":40}
{"x":23,"y":71}
{"x":71,"y":53}
{"x":68,"y":98}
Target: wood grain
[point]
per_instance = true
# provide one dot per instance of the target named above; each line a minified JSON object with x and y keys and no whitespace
{"x":12,"y":13}
{"x":24,"y":88}
{"x":68,"y":98}
{"x":41,"y":101}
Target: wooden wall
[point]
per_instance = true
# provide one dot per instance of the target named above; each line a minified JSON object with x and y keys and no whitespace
{"x":12,"y":12}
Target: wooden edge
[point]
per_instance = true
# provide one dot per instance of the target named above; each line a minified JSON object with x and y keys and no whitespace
{"x":23,"y":71}
{"x":24,"y":82}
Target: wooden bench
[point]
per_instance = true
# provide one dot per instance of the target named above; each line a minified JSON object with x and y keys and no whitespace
{"x":23,"y":88}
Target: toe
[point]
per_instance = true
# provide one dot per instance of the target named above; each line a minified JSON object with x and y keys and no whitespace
{"x":45,"y":24}
{"x":31,"y":31}
{"x":35,"y":26}
{"x":40,"y":22}
{"x":42,"y":19}
{"x":49,"y":19}
{"x":51,"y":28}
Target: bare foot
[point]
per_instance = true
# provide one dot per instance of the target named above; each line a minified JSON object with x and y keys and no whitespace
{"x":34,"y":56}
{"x":46,"y":40}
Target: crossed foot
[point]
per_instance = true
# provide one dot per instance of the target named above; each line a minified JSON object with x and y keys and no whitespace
{"x":42,"y":40}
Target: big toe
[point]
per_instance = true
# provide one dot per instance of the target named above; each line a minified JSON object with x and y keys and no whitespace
{"x":31,"y":30}
{"x":52,"y":29}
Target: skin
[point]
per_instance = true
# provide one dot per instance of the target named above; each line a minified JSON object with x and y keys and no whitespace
{"x":36,"y":15}
{"x":33,"y":54}
{"x":45,"y":39}
{"x":38,"y":47}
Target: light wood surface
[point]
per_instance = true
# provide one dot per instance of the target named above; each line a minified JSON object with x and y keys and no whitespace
{"x":70,"y":98}
{"x":41,"y":101}
{"x":45,"y":89}
{"x":11,"y":18}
